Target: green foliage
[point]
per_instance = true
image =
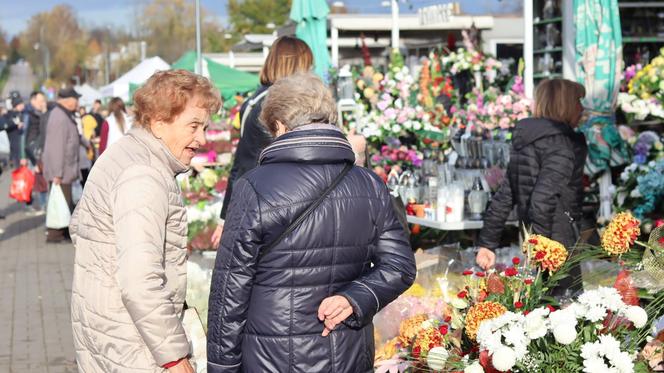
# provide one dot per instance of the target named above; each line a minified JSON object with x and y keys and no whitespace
{"x":252,"y":16}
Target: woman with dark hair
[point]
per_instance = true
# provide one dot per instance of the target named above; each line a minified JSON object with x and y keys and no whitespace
{"x":287,"y":56}
{"x":116,"y":125}
{"x":545,"y":174}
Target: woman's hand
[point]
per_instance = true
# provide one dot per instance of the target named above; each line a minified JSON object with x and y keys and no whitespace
{"x":333,"y":311}
{"x":485,"y":258}
{"x":216,"y":236}
{"x":182,"y":367}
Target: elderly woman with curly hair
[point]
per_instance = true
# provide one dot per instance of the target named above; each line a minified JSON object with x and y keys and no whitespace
{"x":130,"y":234}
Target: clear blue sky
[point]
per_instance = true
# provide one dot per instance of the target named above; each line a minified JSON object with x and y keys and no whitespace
{"x":14,"y":14}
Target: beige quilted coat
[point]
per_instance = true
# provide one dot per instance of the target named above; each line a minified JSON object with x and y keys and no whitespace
{"x":130,"y":234}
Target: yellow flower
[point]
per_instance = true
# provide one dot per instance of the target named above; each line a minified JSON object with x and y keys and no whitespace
{"x":480,"y":312}
{"x":416,"y":290}
{"x":621,"y":233}
{"x":361,"y":84}
{"x":645,"y":95}
{"x":409,"y":328}
{"x":369,"y":93}
{"x":550,"y":255}
{"x":388,"y":350}
{"x":427,"y":339}
{"x":378,"y":77}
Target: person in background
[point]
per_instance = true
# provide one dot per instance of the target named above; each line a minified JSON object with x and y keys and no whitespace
{"x":61,"y":151}
{"x":307,"y":304}
{"x":34,"y":112}
{"x":117,"y":124}
{"x":287,"y":56}
{"x":15,"y":133}
{"x":89,"y":131}
{"x":545,"y":175}
{"x":96,"y":112}
{"x":130,"y":234}
{"x":85,"y":149}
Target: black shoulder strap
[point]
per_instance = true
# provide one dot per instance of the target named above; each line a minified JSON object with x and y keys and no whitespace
{"x":300,"y":218}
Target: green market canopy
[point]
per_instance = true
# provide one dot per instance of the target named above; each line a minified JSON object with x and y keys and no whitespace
{"x":229,"y":81}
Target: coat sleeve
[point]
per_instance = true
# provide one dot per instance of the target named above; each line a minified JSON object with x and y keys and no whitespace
{"x":140,"y":209}
{"x":56,"y":137}
{"x":232,"y":280}
{"x":393,"y":270}
{"x":556,"y":159}
{"x":496,"y":216}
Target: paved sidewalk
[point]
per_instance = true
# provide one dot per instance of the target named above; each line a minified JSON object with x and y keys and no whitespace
{"x":35,"y":290}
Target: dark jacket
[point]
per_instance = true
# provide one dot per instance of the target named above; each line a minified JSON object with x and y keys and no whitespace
{"x":544,"y":180}
{"x":33,"y":146}
{"x":254,"y":139}
{"x":263,"y":314}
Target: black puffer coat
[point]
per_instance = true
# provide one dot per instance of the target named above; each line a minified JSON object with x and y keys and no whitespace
{"x":544,"y":180}
{"x":263,"y":314}
{"x":254,"y":139}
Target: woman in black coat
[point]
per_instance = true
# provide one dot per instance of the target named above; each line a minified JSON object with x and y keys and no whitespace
{"x":545,"y":174}
{"x":287,"y":56}
{"x":307,"y":304}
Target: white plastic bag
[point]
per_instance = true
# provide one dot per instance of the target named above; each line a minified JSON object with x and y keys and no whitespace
{"x":57,"y":211}
{"x":4,"y":142}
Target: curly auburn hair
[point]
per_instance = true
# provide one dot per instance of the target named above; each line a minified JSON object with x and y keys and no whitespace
{"x":166,"y":94}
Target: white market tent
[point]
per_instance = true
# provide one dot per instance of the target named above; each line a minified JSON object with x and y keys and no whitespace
{"x":138,"y":75}
{"x":88,"y":94}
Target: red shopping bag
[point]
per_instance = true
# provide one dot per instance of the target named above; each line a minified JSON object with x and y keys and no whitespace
{"x":23,"y":180}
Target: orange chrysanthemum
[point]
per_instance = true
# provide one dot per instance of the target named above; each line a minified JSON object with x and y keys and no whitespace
{"x":389,"y":349}
{"x":427,"y":339}
{"x":550,"y":255}
{"x":621,"y":233}
{"x":409,"y":329}
{"x":480,"y":312}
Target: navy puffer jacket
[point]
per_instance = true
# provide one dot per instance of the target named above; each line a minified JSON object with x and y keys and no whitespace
{"x":263,"y":313}
{"x":544,"y":180}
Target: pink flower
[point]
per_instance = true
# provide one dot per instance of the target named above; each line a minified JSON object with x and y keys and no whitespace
{"x":382,"y":105}
{"x":505,"y":123}
{"x":390,"y":113}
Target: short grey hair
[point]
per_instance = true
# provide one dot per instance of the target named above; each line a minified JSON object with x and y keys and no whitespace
{"x":298,"y":100}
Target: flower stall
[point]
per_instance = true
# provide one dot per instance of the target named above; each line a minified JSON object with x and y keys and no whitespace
{"x":514,"y":320}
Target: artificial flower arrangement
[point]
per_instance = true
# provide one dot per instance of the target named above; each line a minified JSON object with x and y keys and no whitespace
{"x":645,"y":90}
{"x":203,"y":197}
{"x":641,"y":188}
{"x":395,"y":113}
{"x":507,"y":321}
{"x":491,"y":109}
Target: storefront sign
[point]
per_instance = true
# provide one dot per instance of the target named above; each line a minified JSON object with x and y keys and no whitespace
{"x":437,"y":14}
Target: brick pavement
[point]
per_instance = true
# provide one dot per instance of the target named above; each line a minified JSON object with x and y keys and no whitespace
{"x":35,"y":291}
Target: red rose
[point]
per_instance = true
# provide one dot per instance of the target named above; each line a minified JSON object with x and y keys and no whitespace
{"x":528,"y":281}
{"x":448,"y":319}
{"x":533,"y":241}
{"x":443,"y":329}
{"x":416,"y":351}
{"x":511,"y":272}
{"x":540,"y":255}
{"x":518,"y":305}
{"x":480,"y":274}
{"x":462,"y":294}
{"x":550,"y":307}
{"x":467,"y":272}
{"x":526,"y":312}
{"x":659,"y":223}
{"x":516,"y":260}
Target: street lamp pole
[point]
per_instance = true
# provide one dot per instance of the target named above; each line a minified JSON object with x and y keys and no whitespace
{"x":199,"y":59}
